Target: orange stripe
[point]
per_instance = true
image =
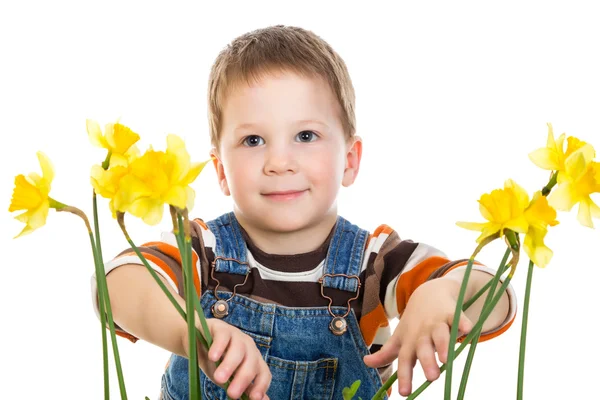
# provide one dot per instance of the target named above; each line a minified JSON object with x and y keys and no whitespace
{"x":173,"y":252}
{"x":411,"y":280}
{"x":161,"y":264}
{"x":126,"y":335}
{"x":491,"y":335}
{"x":371,"y":322}
{"x":201,"y":223}
{"x":487,"y":336}
{"x":382,"y":229}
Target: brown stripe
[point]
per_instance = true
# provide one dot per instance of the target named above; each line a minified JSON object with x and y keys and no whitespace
{"x":289,"y":294}
{"x":394,"y":262}
{"x":171,"y":263}
{"x":443,"y":269}
{"x":289,"y":263}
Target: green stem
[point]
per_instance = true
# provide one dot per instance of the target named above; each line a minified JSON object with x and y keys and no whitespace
{"x":454,"y":330}
{"x":485,"y":313}
{"x":191,"y":321}
{"x":546,"y":189}
{"x":180,"y":236}
{"x":481,"y":291}
{"x":157,"y":279}
{"x":520,"y":377}
{"x":102,"y":286}
{"x":469,"y":362}
{"x":102,"y":322}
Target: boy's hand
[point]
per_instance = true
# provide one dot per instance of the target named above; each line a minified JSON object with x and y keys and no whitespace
{"x":423,"y":330}
{"x":240,"y":358}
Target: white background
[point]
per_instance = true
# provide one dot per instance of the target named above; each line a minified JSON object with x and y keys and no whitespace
{"x":451,"y":98}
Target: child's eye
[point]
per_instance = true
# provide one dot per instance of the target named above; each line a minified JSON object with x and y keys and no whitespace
{"x":253,"y":141}
{"x":306,"y":136}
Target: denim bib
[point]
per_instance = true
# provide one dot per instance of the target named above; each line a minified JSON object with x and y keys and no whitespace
{"x":308,"y":356}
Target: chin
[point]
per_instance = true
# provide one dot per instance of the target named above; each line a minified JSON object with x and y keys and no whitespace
{"x":284,"y":222}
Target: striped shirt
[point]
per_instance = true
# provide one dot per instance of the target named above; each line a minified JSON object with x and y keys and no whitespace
{"x":392,"y":269}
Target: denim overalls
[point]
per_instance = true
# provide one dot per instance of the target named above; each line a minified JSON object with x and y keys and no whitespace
{"x":307,"y":360}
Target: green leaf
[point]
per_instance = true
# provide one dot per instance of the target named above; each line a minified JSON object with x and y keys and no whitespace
{"x":348,"y":393}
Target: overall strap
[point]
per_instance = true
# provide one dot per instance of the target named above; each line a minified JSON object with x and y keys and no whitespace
{"x":230,"y":248}
{"x":344,"y":257}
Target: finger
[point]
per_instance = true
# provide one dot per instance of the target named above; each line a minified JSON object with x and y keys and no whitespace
{"x":441,"y":337}
{"x":426,"y":356}
{"x":244,"y":375}
{"x":233,"y":357}
{"x":406,"y":363}
{"x":464,"y":323}
{"x":220,"y":343}
{"x":385,"y":355}
{"x":258,"y":388}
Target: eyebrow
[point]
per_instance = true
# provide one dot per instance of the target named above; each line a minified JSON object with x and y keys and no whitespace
{"x":300,"y":122}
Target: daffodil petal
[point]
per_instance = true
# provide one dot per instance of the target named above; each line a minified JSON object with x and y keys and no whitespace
{"x":584,"y":214}
{"x":193,"y":173}
{"x":191,"y":197}
{"x":95,"y":134}
{"x":575,"y":165}
{"x":473,"y":226}
{"x":535,"y":248}
{"x":518,"y":224}
{"x":563,"y":197}
{"x":38,"y":217}
{"x":176,"y":196}
{"x":545,"y":159}
{"x":47,"y":168}
{"x":118,"y":160}
{"x":150,"y":211}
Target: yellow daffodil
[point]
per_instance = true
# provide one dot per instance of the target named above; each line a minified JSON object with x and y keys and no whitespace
{"x":158,"y":178}
{"x":539,"y":216}
{"x":31,"y":193}
{"x":509,"y":208}
{"x":118,"y":139}
{"x":504,"y":209}
{"x":575,"y":185}
{"x":554,"y":157}
{"x":107,"y":183}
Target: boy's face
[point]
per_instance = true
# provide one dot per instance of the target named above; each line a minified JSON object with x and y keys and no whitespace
{"x":283,"y":154}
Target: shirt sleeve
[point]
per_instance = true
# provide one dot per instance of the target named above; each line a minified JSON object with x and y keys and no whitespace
{"x":164,"y":258}
{"x":403,"y":265}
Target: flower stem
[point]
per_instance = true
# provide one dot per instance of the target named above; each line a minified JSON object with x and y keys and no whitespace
{"x":102,"y":285}
{"x":473,"y":347}
{"x":102,"y":322}
{"x":520,"y":377}
{"x":194,"y":388}
{"x":485,"y":313}
{"x":454,"y":330}
{"x":179,"y":232}
{"x":153,"y":273}
{"x":546,"y":189}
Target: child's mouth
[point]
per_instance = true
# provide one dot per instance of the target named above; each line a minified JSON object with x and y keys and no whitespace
{"x":284,"y":195}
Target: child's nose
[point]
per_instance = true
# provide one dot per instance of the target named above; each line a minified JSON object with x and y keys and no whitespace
{"x":280,"y":160}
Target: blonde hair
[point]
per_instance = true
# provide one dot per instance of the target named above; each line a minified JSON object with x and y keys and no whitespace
{"x":252,"y":56}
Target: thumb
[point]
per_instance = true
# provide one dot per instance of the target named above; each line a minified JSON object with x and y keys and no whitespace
{"x":385,"y":356}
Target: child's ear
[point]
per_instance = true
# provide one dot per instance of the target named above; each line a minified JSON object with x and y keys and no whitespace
{"x":220,"y":172}
{"x":353,"y":156}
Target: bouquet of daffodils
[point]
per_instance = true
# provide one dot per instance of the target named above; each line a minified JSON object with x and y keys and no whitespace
{"x":143,"y":184}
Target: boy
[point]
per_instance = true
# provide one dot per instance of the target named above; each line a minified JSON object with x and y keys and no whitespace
{"x":298,"y":298}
